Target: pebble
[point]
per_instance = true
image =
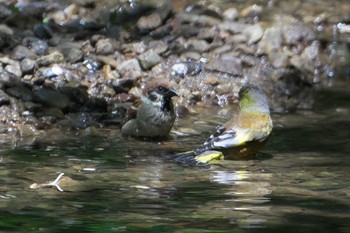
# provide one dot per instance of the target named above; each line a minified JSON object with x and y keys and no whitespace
{"x":20,"y":52}
{"x":20,"y":92}
{"x":4,"y":98}
{"x":149,"y":59}
{"x":27,"y":66}
{"x":13,"y":70}
{"x":130,"y":65}
{"x":53,"y":98}
{"x":251,"y":11}
{"x":227,"y":66}
{"x":149,"y":22}
{"x":271,"y":41}
{"x":54,"y":57}
{"x":39,"y":47}
{"x":231,"y":14}
{"x":105,"y":46}
{"x":199,"y":19}
{"x":253,"y":33}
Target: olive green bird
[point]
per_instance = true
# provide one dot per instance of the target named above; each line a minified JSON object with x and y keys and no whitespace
{"x":243,"y":135}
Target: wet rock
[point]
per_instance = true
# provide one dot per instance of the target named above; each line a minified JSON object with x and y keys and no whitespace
{"x":53,"y":98}
{"x":17,"y":105}
{"x":149,"y":59}
{"x":199,"y":19}
{"x":54,"y":112}
{"x":13,"y":70}
{"x":106,"y":46}
{"x":312,"y":51}
{"x":231,"y":14}
{"x":279,"y":59}
{"x":271,"y":41}
{"x":39,"y":47}
{"x":295,"y":31}
{"x":77,"y":94}
{"x":27,"y":66}
{"x":253,"y":33}
{"x":234,"y":27}
{"x":54,"y":57}
{"x":197,"y":45}
{"x":184,"y":68}
{"x":20,"y":52}
{"x":108,"y":60}
{"x":8,"y":115}
{"x":42,"y":31}
{"x":4,"y":98}
{"x":27,"y":130}
{"x":20,"y":92}
{"x":110,"y":74}
{"x":130,"y":65}
{"x":92,"y":64}
{"x":123,"y":85}
{"x":31,"y":106}
{"x":155,"y":19}
{"x":158,"y":46}
{"x":251,"y":11}
{"x":8,"y":80}
{"x":73,"y":55}
{"x":227,"y":66}
{"x":53,"y":71}
{"x":149,"y":22}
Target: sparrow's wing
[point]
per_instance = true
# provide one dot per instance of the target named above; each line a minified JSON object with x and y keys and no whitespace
{"x":131,"y":112}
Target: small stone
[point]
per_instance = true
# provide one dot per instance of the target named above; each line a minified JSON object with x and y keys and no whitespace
{"x":227,"y":66}
{"x":39,"y":47}
{"x":252,"y":11}
{"x":211,"y":80}
{"x":271,"y":41}
{"x":53,"y":98}
{"x":131,"y":64}
{"x":74,"y":55}
{"x":295,"y":31}
{"x":26,"y":130}
{"x":197,"y":45}
{"x":105,"y":46}
{"x":27,"y":66}
{"x":14,"y":70}
{"x":5,"y":29}
{"x":198,"y":19}
{"x":54,"y":57}
{"x":20,"y":92}
{"x":21,"y":52}
{"x":4,"y":98}
{"x":149,"y":22}
{"x":231,"y":14}
{"x":253,"y":33}
{"x":149,"y":59}
{"x":311,"y":51}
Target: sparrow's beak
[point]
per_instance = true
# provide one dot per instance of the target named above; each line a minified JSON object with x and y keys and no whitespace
{"x":170,"y":93}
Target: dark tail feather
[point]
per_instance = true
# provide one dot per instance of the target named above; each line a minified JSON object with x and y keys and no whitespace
{"x":186,"y":158}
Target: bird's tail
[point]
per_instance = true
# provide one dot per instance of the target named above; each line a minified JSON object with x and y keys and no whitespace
{"x":192,"y":158}
{"x":186,"y":158}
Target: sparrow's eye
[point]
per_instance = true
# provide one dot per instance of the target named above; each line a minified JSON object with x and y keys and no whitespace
{"x":152,"y":97}
{"x":161,"y":89}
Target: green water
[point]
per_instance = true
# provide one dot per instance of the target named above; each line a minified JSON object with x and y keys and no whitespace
{"x":299,"y":183}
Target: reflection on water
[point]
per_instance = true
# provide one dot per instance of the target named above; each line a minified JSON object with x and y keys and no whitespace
{"x":299,"y":183}
{"x":118,"y":185}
